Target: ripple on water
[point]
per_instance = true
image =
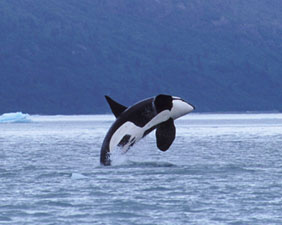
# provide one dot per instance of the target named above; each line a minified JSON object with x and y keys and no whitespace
{"x":228,"y":175}
{"x":5,"y":219}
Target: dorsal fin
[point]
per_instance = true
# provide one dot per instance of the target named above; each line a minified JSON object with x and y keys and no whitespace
{"x":116,"y":108}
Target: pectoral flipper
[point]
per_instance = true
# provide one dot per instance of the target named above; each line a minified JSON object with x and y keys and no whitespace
{"x":165,"y":134}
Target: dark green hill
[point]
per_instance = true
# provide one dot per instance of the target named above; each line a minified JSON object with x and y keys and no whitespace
{"x":62,"y":57}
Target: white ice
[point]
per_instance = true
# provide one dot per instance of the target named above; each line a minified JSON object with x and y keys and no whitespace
{"x":15,"y":117}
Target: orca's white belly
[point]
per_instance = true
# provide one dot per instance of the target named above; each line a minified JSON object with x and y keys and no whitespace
{"x":135,"y":132}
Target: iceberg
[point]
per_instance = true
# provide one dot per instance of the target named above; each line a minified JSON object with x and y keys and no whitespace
{"x":16,"y":117}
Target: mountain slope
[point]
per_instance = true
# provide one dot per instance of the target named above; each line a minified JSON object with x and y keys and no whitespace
{"x":61,"y":57}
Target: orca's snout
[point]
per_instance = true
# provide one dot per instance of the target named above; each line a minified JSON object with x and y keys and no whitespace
{"x":192,"y":107}
{"x":180,"y":108}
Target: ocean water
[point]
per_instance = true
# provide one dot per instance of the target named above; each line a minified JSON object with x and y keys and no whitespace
{"x":221,"y":169}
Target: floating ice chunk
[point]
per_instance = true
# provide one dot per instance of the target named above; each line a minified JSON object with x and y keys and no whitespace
{"x":17,"y":117}
{"x":77,"y":176}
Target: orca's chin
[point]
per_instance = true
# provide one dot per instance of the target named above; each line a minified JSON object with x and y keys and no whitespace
{"x":180,"y":108}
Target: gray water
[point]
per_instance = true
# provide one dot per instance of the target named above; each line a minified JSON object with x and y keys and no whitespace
{"x":221,"y":169}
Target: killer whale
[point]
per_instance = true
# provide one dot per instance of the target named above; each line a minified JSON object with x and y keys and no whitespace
{"x":135,"y":122}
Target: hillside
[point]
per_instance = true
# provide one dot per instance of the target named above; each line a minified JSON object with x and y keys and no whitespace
{"x":62,"y":57}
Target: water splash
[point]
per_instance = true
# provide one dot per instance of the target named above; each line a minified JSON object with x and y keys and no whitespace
{"x":118,"y":157}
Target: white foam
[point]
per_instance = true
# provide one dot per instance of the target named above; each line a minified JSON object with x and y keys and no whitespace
{"x":78,"y":176}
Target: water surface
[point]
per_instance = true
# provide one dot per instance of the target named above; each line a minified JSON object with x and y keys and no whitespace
{"x":221,"y":169}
